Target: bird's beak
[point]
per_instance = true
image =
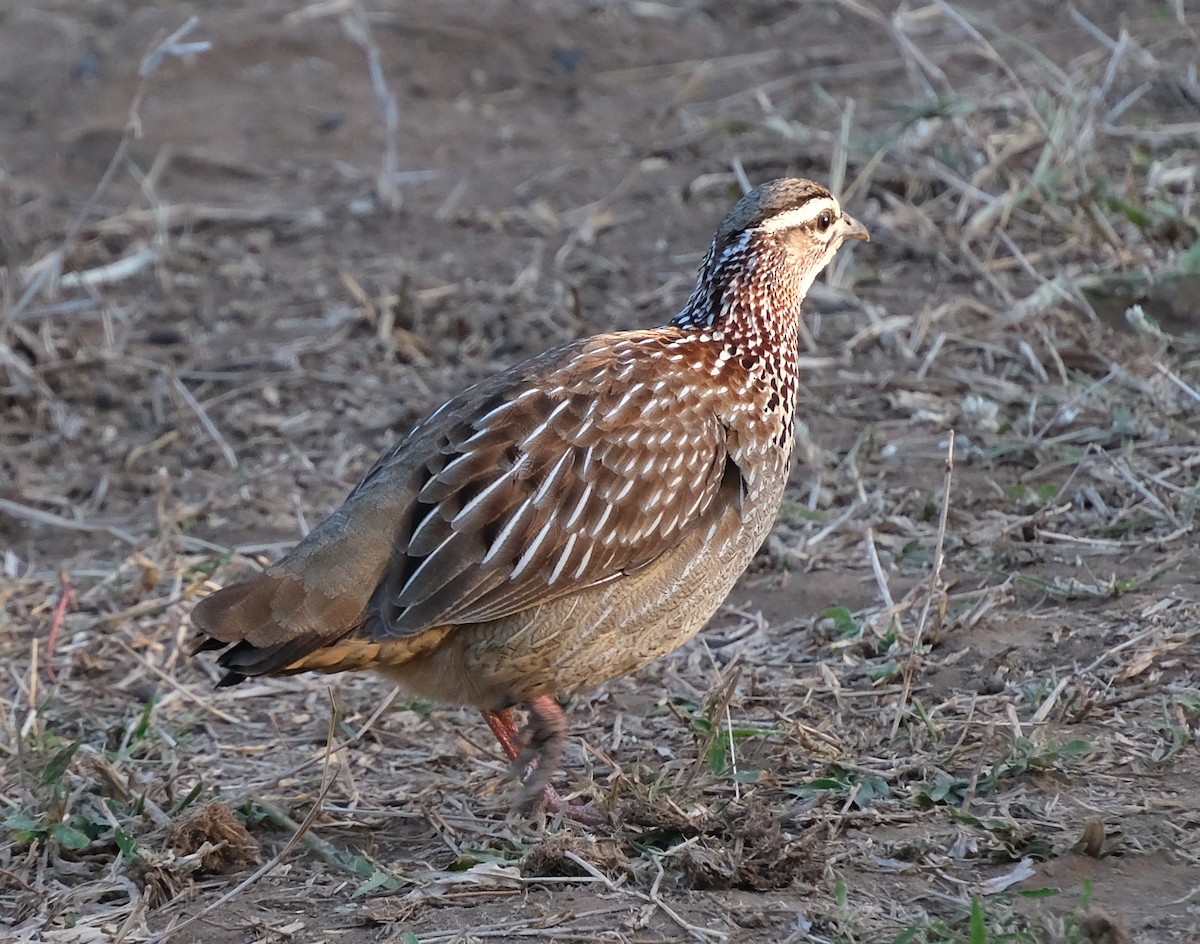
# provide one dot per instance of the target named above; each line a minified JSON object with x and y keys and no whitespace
{"x":855,"y":229}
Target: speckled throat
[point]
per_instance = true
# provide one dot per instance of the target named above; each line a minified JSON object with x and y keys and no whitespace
{"x":745,"y":312}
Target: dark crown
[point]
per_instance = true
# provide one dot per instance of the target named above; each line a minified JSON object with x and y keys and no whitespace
{"x":765,"y":201}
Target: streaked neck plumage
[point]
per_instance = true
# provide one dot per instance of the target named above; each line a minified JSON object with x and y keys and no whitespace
{"x":747,"y":300}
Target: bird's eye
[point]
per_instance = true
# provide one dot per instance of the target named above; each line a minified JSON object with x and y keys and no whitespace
{"x":824,"y":221}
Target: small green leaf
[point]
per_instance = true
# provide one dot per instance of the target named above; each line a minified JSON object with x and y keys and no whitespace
{"x":718,"y":756}
{"x":699,"y":724}
{"x":1077,"y":748}
{"x":978,"y":925}
{"x":126,"y":844}
{"x":58,"y":764}
{"x":69,"y":836}
{"x":143,"y":725}
{"x":1136,"y":215}
{"x":189,"y":799}
{"x":379,"y":879}
{"x":871,"y":788}
{"x":1085,"y":899}
{"x":825,"y":783}
{"x":841,"y":892}
{"x":1188,"y":262}
{"x":19,"y":822}
{"x":842,"y":619}
{"x":1040,"y":893}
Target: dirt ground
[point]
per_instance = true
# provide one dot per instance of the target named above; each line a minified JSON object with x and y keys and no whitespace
{"x":941,"y":707}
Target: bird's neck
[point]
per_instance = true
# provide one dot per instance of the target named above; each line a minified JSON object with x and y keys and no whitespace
{"x":748,"y":294}
{"x":749,"y":305}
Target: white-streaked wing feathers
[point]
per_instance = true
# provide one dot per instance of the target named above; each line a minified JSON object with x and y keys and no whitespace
{"x":536,"y":492}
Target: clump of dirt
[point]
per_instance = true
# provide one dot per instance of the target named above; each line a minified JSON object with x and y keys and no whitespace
{"x":549,"y":857}
{"x":211,"y":841}
{"x":743,"y":845}
{"x":1101,"y":928}
{"x":217,"y":837}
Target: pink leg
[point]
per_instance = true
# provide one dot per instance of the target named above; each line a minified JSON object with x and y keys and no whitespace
{"x":540,"y":755}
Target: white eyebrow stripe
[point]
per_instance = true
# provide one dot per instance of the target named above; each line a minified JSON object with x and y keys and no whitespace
{"x":801,"y":215}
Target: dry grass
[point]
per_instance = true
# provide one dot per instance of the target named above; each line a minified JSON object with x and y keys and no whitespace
{"x":931,"y":690}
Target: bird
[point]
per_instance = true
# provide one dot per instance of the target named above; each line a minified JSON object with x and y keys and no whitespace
{"x":568,"y":520}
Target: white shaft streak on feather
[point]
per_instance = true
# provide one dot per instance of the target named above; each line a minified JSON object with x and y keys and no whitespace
{"x":484,"y":421}
{"x":598,"y":527}
{"x":670,"y":526}
{"x":444,"y":476}
{"x":469,"y":507}
{"x":579,"y":506}
{"x":587,"y":556}
{"x":647,"y":529}
{"x":436,"y":413}
{"x":417,"y":575}
{"x":585,"y":470}
{"x":530,"y":551}
{"x":515,"y":519}
{"x":562,"y":559}
{"x":552,"y":478}
{"x":428,"y":522}
{"x":544,"y":424}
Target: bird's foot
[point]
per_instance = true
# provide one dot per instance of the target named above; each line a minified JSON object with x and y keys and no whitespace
{"x":551,"y":802}
{"x":542,"y":743}
{"x":536,"y":753}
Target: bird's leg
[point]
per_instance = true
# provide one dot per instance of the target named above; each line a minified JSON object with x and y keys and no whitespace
{"x":502,"y":725}
{"x":542,"y":744}
{"x":540,"y":755}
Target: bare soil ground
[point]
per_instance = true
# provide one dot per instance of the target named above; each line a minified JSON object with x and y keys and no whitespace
{"x":941,"y":707}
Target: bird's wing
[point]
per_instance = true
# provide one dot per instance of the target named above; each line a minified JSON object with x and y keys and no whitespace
{"x":560,"y":482}
{"x":565,"y":472}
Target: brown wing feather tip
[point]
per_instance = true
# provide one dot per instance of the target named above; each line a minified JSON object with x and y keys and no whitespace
{"x":221,"y":616}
